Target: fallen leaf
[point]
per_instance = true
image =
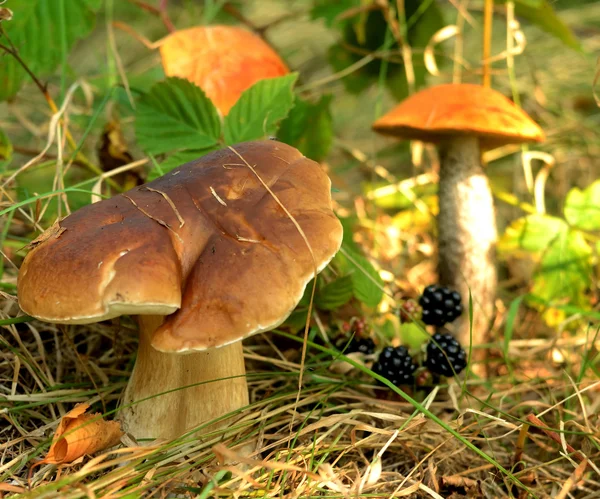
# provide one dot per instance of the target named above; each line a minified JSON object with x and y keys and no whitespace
{"x":79,"y":434}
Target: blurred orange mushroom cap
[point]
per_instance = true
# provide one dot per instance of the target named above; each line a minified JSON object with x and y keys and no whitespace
{"x":444,"y":111}
{"x":222,"y":60}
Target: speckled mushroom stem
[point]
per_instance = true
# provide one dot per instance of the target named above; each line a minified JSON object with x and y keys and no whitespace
{"x":169,"y":415}
{"x":467,"y":234}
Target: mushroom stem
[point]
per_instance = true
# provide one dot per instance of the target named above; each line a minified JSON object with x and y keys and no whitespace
{"x":169,"y":415}
{"x":467,"y":233}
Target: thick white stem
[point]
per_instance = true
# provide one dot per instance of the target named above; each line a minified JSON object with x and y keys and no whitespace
{"x":467,"y":233}
{"x":168,"y":415}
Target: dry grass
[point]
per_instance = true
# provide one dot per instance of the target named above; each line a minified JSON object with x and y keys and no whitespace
{"x":346,"y":436}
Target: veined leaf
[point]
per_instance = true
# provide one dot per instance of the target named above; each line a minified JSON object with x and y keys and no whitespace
{"x":335,"y":294}
{"x":532,"y":233}
{"x":36,"y":32}
{"x":176,"y":115}
{"x":367,"y":284}
{"x":309,"y":127}
{"x":260,"y":109}
{"x":582,"y":207}
{"x":565,"y":270}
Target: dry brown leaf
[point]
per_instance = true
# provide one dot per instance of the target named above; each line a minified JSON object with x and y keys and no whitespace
{"x":79,"y":434}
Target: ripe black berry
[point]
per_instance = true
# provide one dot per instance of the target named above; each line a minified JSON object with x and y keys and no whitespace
{"x":362,"y":345}
{"x":395,"y":365}
{"x":445,"y":356}
{"x":440,"y":305}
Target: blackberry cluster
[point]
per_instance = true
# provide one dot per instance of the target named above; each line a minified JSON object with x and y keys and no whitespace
{"x":445,"y":356}
{"x":395,"y":365}
{"x":362,"y":345}
{"x":440,"y":305}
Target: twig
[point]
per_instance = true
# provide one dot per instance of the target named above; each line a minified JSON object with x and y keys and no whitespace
{"x":160,"y":12}
{"x":535,"y":421}
{"x":25,"y":151}
{"x":488,"y":14}
{"x":399,"y":32}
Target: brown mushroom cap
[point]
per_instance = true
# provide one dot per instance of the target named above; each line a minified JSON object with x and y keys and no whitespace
{"x":443,"y":111}
{"x":207,"y":239}
{"x":222,"y":60}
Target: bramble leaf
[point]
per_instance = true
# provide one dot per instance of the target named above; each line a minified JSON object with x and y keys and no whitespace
{"x":260,"y":109}
{"x":176,"y":115}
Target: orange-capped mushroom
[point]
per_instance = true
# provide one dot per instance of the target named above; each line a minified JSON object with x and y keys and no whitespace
{"x":222,"y":60}
{"x":462,"y":120}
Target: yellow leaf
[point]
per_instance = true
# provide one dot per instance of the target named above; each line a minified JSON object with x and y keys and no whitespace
{"x":79,"y":434}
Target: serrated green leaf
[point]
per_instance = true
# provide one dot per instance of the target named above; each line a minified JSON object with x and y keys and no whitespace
{"x":565,"y":270}
{"x":335,"y":294}
{"x":175,"y":160}
{"x":35,"y":30}
{"x":366,"y":281}
{"x":309,"y":127}
{"x":260,"y":109}
{"x":532,"y":233}
{"x":176,"y":115}
{"x":582,"y":207}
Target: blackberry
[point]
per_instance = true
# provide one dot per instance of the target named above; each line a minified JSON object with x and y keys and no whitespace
{"x":362,"y":345}
{"x":445,"y":356}
{"x":440,"y":305}
{"x":395,"y":365}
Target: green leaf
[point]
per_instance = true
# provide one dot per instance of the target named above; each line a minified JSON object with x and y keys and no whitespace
{"x":565,"y":270}
{"x":541,"y":14}
{"x":35,"y":31}
{"x":367,"y":284}
{"x":413,"y":336}
{"x":330,"y":10}
{"x":309,"y":127}
{"x":335,"y":294}
{"x":532,"y":233}
{"x":6,"y":150}
{"x":175,"y":160}
{"x":259,"y":110}
{"x":582,"y":207}
{"x":175,"y":115}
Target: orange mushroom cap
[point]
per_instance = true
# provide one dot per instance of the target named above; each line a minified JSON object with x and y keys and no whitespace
{"x":222,"y":60}
{"x":443,"y":111}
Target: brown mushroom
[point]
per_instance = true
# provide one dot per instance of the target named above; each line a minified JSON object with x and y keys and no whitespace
{"x":463,"y":120}
{"x":205,"y":256}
